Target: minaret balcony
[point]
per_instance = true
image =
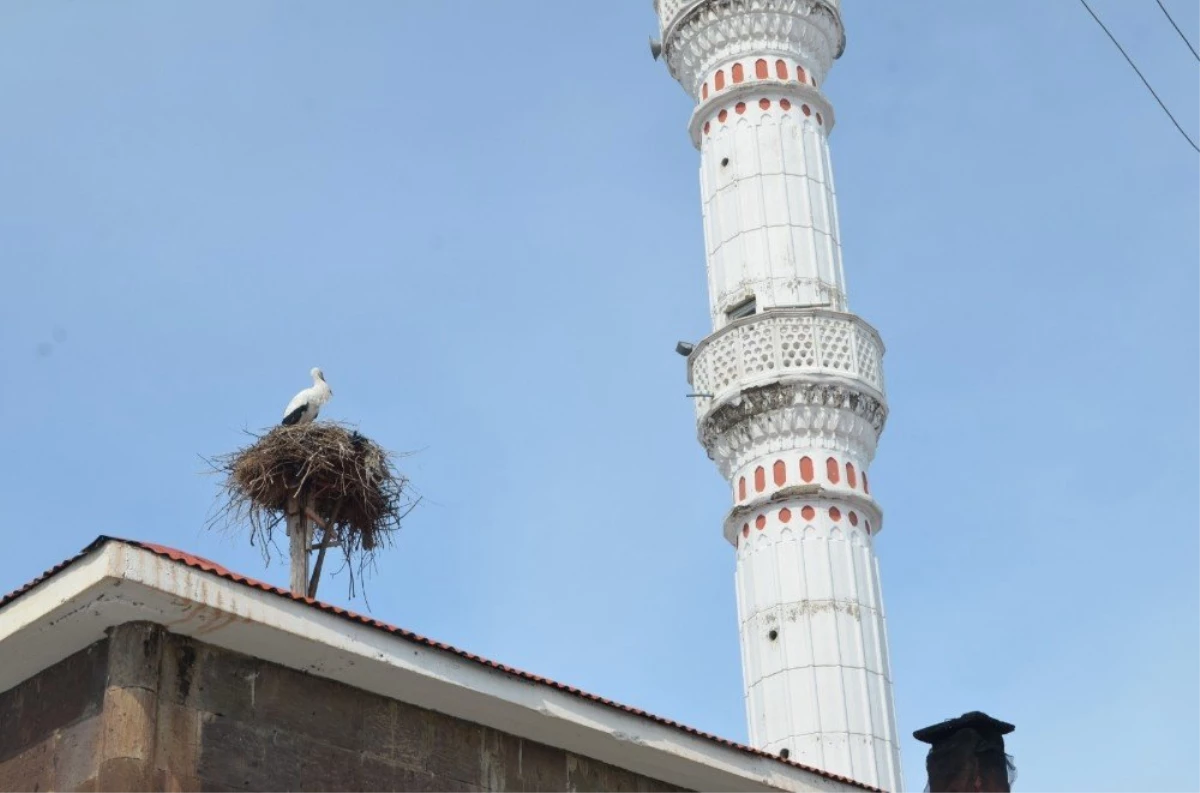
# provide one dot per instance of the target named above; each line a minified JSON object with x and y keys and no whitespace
{"x":699,"y":35}
{"x":670,"y":12}
{"x":786,"y":344}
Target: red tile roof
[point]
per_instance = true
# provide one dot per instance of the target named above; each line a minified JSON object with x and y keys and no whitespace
{"x":208,"y":566}
{"x":58,"y":568}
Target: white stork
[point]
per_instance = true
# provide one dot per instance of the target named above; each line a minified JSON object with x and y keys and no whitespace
{"x":305,"y":406}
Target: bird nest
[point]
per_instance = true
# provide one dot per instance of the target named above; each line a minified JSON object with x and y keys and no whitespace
{"x":342,"y":481}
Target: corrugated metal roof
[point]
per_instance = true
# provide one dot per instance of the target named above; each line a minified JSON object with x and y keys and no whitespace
{"x":209,"y":566}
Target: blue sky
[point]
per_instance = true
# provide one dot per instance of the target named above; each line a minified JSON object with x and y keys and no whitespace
{"x":482,"y":220}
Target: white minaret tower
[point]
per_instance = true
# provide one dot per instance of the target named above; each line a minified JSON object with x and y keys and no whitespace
{"x":790,"y":389}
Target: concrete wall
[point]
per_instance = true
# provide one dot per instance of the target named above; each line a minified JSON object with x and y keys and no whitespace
{"x":148,"y":710}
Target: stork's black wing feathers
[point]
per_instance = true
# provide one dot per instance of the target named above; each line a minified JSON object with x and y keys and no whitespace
{"x":294,"y":416}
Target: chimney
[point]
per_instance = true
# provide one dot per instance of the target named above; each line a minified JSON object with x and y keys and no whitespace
{"x":967,"y":754}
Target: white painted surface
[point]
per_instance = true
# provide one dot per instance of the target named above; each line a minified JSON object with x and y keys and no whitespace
{"x":821,"y":686}
{"x":119,"y":583}
{"x":768,"y":198}
{"x":802,"y":377}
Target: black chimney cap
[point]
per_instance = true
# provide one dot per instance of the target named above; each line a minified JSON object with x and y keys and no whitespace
{"x":977,"y":720}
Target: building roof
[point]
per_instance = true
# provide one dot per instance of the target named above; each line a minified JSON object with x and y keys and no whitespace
{"x":113,"y":581}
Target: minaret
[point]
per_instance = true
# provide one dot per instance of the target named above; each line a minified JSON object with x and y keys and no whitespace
{"x":789,"y":386}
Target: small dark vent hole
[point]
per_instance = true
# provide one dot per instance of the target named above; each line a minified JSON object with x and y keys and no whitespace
{"x":784,"y":753}
{"x":773,"y":635}
{"x":724,"y":161}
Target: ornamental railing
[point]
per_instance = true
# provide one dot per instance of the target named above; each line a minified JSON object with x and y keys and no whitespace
{"x":669,"y":10}
{"x":769,"y":346}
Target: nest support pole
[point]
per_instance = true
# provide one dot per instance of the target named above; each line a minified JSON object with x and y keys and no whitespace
{"x":327,"y":540}
{"x":299,"y":529}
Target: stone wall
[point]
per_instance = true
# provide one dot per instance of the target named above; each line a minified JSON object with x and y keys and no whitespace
{"x":50,"y":725}
{"x":148,"y":710}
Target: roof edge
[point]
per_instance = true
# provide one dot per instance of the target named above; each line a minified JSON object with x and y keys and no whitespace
{"x":331,"y":642}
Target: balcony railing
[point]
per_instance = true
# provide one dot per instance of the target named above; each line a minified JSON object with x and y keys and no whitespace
{"x":781,"y":342}
{"x":668,"y":10}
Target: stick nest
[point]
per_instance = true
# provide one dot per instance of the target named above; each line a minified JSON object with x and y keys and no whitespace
{"x":347,"y":479}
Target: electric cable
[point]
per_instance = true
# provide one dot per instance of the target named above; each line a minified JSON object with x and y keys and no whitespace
{"x":1139,"y":74}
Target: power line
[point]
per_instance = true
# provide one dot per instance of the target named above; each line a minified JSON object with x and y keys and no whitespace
{"x":1177,"y":30}
{"x":1139,"y":74}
